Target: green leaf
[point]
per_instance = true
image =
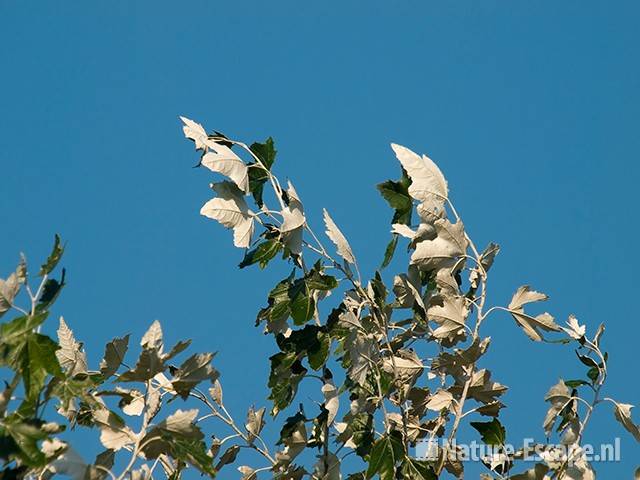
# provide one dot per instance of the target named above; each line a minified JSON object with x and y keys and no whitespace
{"x":262,"y":254}
{"x":19,"y":439}
{"x":417,"y":470}
{"x":385,"y":453}
{"x":593,"y":374}
{"x":50,"y":291}
{"x":39,"y":359}
{"x":396,"y":193}
{"x":295,"y":297}
{"x":266,"y":152}
{"x":193,"y":452}
{"x":302,"y":302}
{"x":389,"y":251}
{"x":311,"y":341}
{"x":575,"y":383}
{"x":54,"y":257}
{"x":12,"y":331}
{"x":493,"y":433}
{"x":286,"y":373}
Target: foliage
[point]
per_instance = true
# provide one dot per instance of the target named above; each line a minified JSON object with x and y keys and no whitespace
{"x":409,"y":353}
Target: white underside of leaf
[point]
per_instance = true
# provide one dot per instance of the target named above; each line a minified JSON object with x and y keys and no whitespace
{"x":293,"y":221}
{"x":231,"y":210}
{"x":449,"y":244}
{"x":339,"y":240}
{"x":427,"y":181}
{"x":227,"y":163}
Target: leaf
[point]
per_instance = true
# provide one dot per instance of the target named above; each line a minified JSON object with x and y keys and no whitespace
{"x":339,"y":240}
{"x":442,"y":399}
{"x":450,"y":314}
{"x":407,"y":291}
{"x":362,"y":353}
{"x":114,"y":353}
{"x":449,"y":244}
{"x":226,"y":162}
{"x":327,"y":468}
{"x":114,"y":434}
{"x":181,"y":423}
{"x":417,"y":470}
{"x":216,"y":392}
{"x":54,"y":257}
{"x":70,"y":355}
{"x":152,"y":339}
{"x":9,"y":289}
{"x":493,"y":433}
{"x":266,"y":152}
{"x":386,"y":451}
{"x":229,"y":456}
{"x":486,"y":261}
{"x":39,"y":360}
{"x":231,"y":210}
{"x":405,"y":365}
{"x":293,"y":221}
{"x":427,"y":182}
{"x":396,"y":193}
{"x":558,"y":396}
{"x":286,"y":373}
{"x":331,"y":400}
{"x":403,"y":230}
{"x":194,"y":131}
{"x":262,"y":254}
{"x":389,"y":251}
{"x":525,"y":295}
{"x":194,"y":370}
{"x":622,"y":412}
{"x":149,"y":364}
{"x":50,"y":291}
{"x":575,"y":383}
{"x":575,"y":330}
{"x":254,"y":423}
{"x":531,"y":325}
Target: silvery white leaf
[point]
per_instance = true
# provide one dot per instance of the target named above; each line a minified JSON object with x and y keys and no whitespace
{"x":114,"y":434}
{"x":339,"y":240}
{"x":327,"y":468}
{"x":450,"y":314}
{"x":255,"y":422}
{"x":331,"y":400}
{"x":194,"y":131}
{"x":69,"y":463}
{"x":406,"y":291}
{"x":293,"y":221}
{"x":575,"y":330}
{"x":9,"y":288}
{"x":230,"y":209}
{"x":427,"y":181}
{"x":441,"y":399}
{"x":403,"y":230}
{"x":449,"y":244}
{"x":622,"y":412}
{"x":525,"y":295}
{"x":226,"y":162}
{"x":152,"y":339}
{"x":70,"y":356}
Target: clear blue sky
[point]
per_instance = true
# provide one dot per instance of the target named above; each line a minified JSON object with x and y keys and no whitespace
{"x":530,"y":108}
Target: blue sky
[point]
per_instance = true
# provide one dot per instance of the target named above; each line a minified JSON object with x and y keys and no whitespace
{"x":529,"y":108}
